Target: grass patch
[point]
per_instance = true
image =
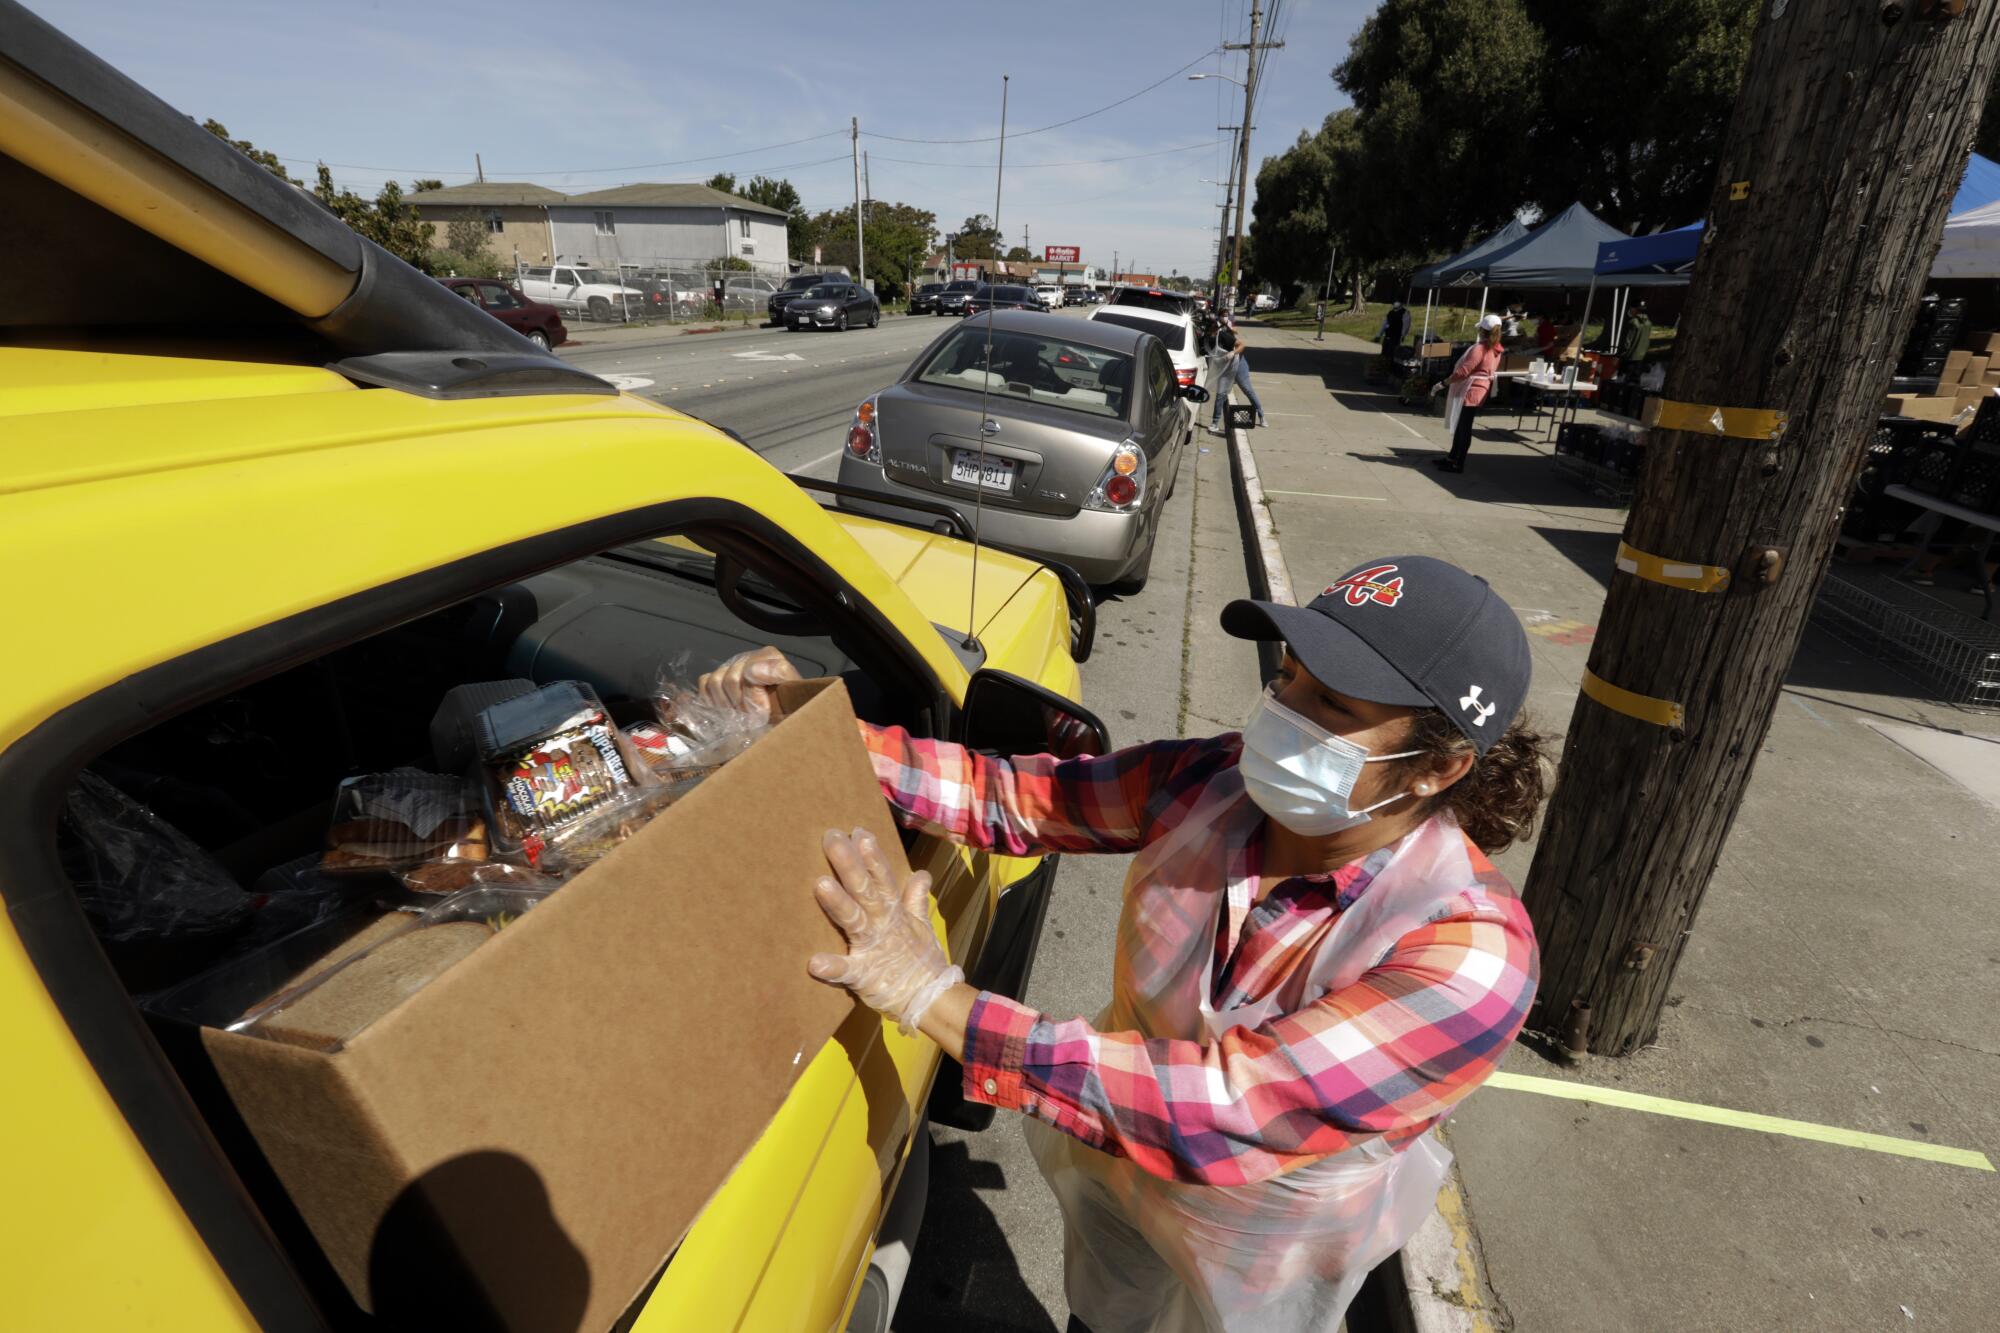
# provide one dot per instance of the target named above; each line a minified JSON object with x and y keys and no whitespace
{"x":1448,"y":324}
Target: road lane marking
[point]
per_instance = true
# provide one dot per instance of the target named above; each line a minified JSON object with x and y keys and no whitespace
{"x":627,"y":383}
{"x":1408,"y":427}
{"x":759,"y":354}
{"x":1718,"y":1115}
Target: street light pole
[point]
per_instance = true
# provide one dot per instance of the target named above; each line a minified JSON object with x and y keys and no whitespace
{"x":860,"y":238}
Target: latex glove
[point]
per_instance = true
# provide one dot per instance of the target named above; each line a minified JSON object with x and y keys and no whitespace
{"x":893,"y":963}
{"x":746,"y":681}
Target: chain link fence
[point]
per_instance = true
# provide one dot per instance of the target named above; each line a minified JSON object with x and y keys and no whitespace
{"x":656,"y":289}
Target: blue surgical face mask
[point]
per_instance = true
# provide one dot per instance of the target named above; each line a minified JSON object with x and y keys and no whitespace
{"x":1301,"y":774}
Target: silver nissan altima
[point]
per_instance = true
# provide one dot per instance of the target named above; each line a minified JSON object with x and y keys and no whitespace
{"x":1072,"y":458}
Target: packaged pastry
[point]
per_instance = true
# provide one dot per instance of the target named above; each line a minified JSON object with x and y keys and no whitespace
{"x":551,"y":759}
{"x":402,"y":818}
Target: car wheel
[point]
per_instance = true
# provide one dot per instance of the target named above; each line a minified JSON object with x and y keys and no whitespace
{"x":875,"y":320}
{"x":539,"y":339}
{"x":600,"y":310}
{"x":840,"y":322}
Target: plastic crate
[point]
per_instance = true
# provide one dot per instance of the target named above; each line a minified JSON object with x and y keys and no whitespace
{"x":1242,"y":416}
{"x":1566,"y":438}
{"x":1975,"y":482}
{"x":1928,"y":466}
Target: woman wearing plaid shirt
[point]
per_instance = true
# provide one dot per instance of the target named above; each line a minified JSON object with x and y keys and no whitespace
{"x":1315,"y":959}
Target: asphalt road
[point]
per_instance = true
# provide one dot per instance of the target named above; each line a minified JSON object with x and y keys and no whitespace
{"x":989,"y":1258}
{"x":790,"y":395}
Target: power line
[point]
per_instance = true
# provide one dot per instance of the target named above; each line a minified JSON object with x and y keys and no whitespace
{"x":1131,"y":157}
{"x":990,"y":138}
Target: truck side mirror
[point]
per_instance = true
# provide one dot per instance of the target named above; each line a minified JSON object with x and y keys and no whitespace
{"x":1005,"y":714}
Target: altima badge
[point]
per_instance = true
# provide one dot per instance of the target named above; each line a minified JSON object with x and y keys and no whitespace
{"x":905,"y":465}
{"x":1053,"y":495}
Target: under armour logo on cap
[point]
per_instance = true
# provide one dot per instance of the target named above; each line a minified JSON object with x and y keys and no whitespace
{"x":1369,"y":585}
{"x":1469,"y":703}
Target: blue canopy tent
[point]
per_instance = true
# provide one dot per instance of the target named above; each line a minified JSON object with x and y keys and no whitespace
{"x":1429,"y":275}
{"x":1668,"y":257}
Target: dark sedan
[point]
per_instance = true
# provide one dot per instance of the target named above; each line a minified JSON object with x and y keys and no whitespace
{"x":534,"y":321}
{"x":1002,"y":296}
{"x":951,"y":301}
{"x":833,"y":305}
{"x":923,"y":301}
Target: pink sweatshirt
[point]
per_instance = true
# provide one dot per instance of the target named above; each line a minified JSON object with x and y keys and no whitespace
{"x":1478,"y":366}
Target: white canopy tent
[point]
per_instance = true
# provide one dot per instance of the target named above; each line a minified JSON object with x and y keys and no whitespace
{"x":1971,"y":247}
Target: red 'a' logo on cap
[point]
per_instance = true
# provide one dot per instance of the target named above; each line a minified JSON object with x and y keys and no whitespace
{"x":1370,"y":585}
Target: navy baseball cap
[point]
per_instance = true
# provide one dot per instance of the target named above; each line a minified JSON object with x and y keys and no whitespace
{"x":1408,"y":630}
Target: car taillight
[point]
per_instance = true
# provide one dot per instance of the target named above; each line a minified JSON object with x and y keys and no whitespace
{"x":1124,"y":482}
{"x":861,"y":435}
{"x":1186,"y":377}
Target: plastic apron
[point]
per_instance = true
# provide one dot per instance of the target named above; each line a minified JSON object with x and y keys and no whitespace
{"x":1145,"y":1255}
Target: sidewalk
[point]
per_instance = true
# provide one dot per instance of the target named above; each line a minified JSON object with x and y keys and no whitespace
{"x":1844,"y":970}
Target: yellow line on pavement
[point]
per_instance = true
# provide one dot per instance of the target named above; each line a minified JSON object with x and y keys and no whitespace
{"x":1718,"y":1115}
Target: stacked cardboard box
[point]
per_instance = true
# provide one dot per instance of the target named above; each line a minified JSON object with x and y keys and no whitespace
{"x":1971,"y":373}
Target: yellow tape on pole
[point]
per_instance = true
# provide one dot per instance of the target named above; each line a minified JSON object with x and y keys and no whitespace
{"x":1742,"y":423}
{"x":1659,"y":712}
{"x":1718,"y":1115}
{"x":1673,"y":573}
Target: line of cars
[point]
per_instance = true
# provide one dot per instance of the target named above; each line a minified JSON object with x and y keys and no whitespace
{"x":967,"y":295}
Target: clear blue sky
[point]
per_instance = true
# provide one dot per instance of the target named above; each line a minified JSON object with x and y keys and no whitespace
{"x":584,"y":96}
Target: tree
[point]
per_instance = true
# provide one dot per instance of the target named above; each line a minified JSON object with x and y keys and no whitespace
{"x":268,"y":161}
{"x":420,"y":186}
{"x":1841,"y":159}
{"x":1020,"y":254}
{"x":978,"y":238}
{"x":724,"y":181}
{"x":1639,"y":150}
{"x":900,"y":238}
{"x":1424,"y":76}
{"x":389,"y":220}
{"x":467,"y":252}
{"x":780,"y":194}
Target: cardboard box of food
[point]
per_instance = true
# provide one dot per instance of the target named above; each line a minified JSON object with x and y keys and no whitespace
{"x":1989,"y":343}
{"x":527,"y":1136}
{"x":1954,"y":364}
{"x":1968,"y":395}
{"x":1975,"y":370}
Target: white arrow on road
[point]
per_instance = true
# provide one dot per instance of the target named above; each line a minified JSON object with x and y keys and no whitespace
{"x":627,"y":383}
{"x":768,"y":356}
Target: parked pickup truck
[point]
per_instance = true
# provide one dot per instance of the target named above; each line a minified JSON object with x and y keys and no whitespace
{"x":576,"y":290}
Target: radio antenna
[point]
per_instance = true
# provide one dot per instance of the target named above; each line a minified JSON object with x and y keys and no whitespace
{"x":971,"y":643}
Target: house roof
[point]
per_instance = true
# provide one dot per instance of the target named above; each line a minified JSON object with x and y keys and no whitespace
{"x":687,"y":195}
{"x":490,"y":193}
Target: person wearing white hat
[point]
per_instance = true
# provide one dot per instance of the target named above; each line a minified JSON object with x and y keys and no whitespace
{"x":1466,"y":388}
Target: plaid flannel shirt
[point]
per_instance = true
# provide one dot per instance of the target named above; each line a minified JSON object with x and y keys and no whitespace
{"x":1387,"y":1056}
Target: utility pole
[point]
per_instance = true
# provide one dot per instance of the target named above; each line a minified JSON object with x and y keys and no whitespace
{"x":860,"y":237}
{"x":867,"y":188}
{"x":479,"y":168}
{"x":1243,"y":143}
{"x":1848,"y":139}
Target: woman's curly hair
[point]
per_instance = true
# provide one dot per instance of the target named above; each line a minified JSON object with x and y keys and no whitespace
{"x":1500,"y":797}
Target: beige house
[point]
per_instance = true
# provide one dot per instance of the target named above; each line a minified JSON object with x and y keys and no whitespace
{"x":514,"y":213}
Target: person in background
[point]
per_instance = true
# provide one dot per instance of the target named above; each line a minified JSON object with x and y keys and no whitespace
{"x":1232,"y":369}
{"x":1467,"y":386}
{"x":1546,"y":334}
{"x":1510,"y":323}
{"x":1395,"y":328}
{"x":1635,"y":340}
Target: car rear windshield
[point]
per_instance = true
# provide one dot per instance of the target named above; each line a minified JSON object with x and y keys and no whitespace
{"x":1173,"y":335}
{"x":1038,"y":368}
{"x":1168,"y":301}
{"x":964,"y":285}
{"x":827,"y":292}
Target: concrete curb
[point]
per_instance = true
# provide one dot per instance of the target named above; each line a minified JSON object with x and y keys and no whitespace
{"x":1437,"y":1282}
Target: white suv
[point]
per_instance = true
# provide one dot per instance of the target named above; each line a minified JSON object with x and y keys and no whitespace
{"x":1175,"y":330}
{"x":1051,"y":297}
{"x":590,"y":292}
